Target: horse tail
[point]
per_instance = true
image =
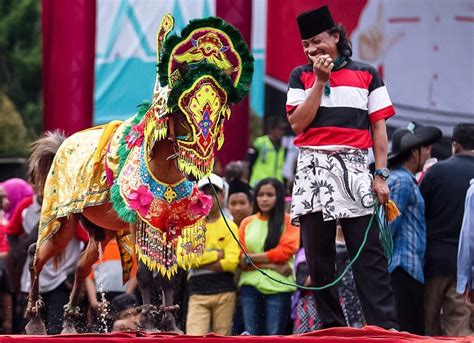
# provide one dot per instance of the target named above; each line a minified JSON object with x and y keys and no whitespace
{"x":43,"y":151}
{"x":42,"y":155}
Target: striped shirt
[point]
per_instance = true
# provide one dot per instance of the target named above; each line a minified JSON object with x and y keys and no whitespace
{"x":408,"y":230}
{"x":358,"y":98}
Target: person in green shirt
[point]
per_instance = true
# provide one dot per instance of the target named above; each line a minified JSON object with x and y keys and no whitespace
{"x":270,"y":242}
{"x":267,"y":155}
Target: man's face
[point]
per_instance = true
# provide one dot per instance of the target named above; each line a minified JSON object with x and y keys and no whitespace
{"x":321,"y":44}
{"x":278,"y":132}
{"x":239,"y":206}
{"x":425,"y":154}
{"x":421,"y":155}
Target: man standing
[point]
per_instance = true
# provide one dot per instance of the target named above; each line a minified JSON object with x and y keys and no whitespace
{"x":267,"y":154}
{"x":411,"y":148}
{"x":338,"y":107}
{"x":465,"y":280}
{"x":444,"y":189}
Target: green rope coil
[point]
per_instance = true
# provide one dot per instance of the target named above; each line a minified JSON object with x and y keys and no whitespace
{"x":378,"y":216}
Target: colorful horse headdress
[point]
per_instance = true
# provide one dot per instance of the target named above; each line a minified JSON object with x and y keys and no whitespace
{"x":200,"y":74}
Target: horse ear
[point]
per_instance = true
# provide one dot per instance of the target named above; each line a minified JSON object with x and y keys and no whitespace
{"x":166,"y":26}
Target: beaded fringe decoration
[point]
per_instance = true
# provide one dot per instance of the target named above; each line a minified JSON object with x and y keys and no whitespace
{"x":159,"y":250}
{"x":193,"y":164}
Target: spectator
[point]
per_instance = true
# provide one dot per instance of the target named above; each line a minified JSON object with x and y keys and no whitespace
{"x":234,"y":170}
{"x":240,"y":206}
{"x":410,"y":150}
{"x":444,"y":189}
{"x":124,"y":314}
{"x":5,"y":288}
{"x":270,"y":241}
{"x":239,"y":201}
{"x":105,"y":280}
{"x":211,"y":282}
{"x":465,"y":277}
{"x":267,"y":155}
{"x":304,"y":311}
{"x":16,"y":190}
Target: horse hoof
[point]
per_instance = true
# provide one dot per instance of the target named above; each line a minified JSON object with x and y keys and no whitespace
{"x":35,"y":327}
{"x":168,"y":324}
{"x":68,"y":327}
{"x":149,"y":315}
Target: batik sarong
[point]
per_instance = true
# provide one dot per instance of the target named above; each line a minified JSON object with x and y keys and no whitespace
{"x":336,"y":182}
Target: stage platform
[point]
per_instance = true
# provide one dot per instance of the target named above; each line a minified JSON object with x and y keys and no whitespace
{"x":367,"y":334}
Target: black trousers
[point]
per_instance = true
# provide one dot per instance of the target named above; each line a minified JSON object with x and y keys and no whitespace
{"x":409,"y":295}
{"x":370,"y":270}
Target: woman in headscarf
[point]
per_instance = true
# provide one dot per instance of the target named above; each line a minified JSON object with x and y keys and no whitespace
{"x":16,"y":190}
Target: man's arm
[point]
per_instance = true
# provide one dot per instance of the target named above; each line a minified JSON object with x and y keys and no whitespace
{"x":304,"y":114}
{"x":379,"y":137}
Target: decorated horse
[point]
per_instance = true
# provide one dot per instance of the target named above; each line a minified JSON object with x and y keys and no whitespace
{"x":132,"y":180}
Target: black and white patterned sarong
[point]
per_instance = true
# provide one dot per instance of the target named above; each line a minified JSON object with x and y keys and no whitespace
{"x":332,"y":181}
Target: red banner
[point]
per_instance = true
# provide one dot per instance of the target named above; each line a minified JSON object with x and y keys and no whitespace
{"x":239,"y":14}
{"x":284,"y":49}
{"x":68,"y":63}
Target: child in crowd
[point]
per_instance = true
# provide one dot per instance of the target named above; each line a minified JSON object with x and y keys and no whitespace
{"x":270,"y":242}
{"x":240,"y":206}
{"x":239,"y":200}
{"x":211,"y":285}
{"x":124,"y":314}
{"x":105,"y":280}
{"x":304,"y":312}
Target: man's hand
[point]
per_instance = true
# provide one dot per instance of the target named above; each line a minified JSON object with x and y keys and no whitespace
{"x":322,"y":66}
{"x":380,"y":188}
{"x":467,"y":298}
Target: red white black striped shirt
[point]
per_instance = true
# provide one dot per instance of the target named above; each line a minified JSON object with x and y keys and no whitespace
{"x":358,"y":98}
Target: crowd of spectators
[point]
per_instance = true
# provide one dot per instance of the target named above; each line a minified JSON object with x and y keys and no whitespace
{"x":223,"y":291}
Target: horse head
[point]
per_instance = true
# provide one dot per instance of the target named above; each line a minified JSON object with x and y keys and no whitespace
{"x":201,"y":73}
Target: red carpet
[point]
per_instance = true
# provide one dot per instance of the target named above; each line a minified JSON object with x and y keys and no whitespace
{"x":367,"y":334}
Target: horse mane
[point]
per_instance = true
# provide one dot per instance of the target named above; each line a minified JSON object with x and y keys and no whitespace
{"x":43,"y":151}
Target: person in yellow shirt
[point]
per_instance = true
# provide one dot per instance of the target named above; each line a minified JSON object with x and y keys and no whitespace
{"x":211,"y":284}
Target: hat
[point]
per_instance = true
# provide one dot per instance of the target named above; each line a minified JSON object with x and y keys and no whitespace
{"x":238,"y":186}
{"x":216,"y":180}
{"x":312,"y":23}
{"x":412,"y":137}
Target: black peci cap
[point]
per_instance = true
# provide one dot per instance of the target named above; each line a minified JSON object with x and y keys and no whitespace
{"x":312,"y":23}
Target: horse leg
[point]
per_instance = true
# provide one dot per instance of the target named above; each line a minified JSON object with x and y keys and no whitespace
{"x":88,"y":257}
{"x":148,"y":312}
{"x":168,"y":323}
{"x":48,"y":249}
